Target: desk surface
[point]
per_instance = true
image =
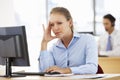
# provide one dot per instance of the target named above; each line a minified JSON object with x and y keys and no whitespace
{"x":75,"y":77}
{"x":106,"y":61}
{"x":110,"y":64}
{"x":109,"y":58}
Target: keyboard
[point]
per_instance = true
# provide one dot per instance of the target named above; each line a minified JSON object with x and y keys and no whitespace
{"x":30,"y":73}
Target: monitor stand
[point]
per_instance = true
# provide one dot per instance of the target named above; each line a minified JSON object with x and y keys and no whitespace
{"x":9,"y":69}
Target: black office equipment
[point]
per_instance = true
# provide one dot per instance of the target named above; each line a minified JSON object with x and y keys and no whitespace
{"x":13,"y":48}
{"x":31,"y":73}
{"x":53,"y":73}
{"x":86,"y":32}
{"x":36,"y":73}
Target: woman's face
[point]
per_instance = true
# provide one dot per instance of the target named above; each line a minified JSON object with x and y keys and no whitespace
{"x":60,"y":25}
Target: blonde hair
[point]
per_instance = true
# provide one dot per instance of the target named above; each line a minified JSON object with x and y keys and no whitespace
{"x":64,"y":12}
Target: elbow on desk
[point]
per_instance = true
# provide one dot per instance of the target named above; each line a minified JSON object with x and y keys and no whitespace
{"x":85,"y":69}
{"x":93,"y":69}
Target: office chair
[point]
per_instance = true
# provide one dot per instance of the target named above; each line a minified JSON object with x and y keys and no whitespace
{"x":100,"y":70}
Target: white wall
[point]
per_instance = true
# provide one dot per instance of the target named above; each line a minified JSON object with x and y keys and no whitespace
{"x":7,"y":13}
{"x":30,"y":13}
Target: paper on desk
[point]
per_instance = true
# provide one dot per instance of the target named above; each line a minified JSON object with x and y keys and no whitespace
{"x":58,"y":75}
{"x":72,"y":76}
{"x":91,"y":76}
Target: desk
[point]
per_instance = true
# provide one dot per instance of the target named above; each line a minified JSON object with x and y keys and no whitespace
{"x":75,"y":77}
{"x":110,"y":64}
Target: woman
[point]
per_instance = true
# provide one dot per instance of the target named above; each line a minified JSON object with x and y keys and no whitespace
{"x":72,"y":53}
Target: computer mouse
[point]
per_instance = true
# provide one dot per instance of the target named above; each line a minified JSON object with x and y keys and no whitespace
{"x":52,"y":73}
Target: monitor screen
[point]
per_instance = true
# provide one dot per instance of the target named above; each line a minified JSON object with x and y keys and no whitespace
{"x":13,"y":47}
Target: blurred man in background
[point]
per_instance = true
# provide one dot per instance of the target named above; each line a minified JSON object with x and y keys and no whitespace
{"x":109,"y":43}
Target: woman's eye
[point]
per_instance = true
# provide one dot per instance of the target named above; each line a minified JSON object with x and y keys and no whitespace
{"x":51,"y":24}
{"x":59,"y":23}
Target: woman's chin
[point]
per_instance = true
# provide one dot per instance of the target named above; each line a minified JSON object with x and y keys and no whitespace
{"x":59,"y":36}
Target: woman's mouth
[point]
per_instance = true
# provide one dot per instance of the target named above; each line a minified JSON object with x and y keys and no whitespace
{"x":57,"y":33}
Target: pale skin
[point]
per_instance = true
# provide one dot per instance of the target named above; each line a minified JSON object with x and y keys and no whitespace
{"x":61,"y":27}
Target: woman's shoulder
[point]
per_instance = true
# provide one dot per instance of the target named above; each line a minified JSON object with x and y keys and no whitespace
{"x":52,"y":43}
{"x":83,"y":35}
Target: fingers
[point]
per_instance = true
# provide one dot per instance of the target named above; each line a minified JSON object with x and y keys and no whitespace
{"x":52,"y":68}
{"x":43,"y":27}
{"x":58,"y":70}
{"x":49,"y":28}
{"x":47,"y":34}
{"x":49,"y":70}
{"x":55,"y":70}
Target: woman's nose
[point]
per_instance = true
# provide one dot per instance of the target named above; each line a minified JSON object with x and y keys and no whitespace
{"x":56,"y":27}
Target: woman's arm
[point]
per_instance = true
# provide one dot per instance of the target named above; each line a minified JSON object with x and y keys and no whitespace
{"x":46,"y":58}
{"x":46,"y":37}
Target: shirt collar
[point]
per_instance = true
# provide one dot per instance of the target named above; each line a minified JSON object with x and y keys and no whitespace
{"x":113,"y":33}
{"x":60,"y":44}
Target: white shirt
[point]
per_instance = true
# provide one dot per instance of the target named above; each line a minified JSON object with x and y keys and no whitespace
{"x":115,"y":41}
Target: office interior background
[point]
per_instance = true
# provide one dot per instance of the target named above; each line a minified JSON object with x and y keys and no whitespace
{"x":87,"y":17}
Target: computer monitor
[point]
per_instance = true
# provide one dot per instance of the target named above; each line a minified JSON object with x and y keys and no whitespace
{"x":13,"y":48}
